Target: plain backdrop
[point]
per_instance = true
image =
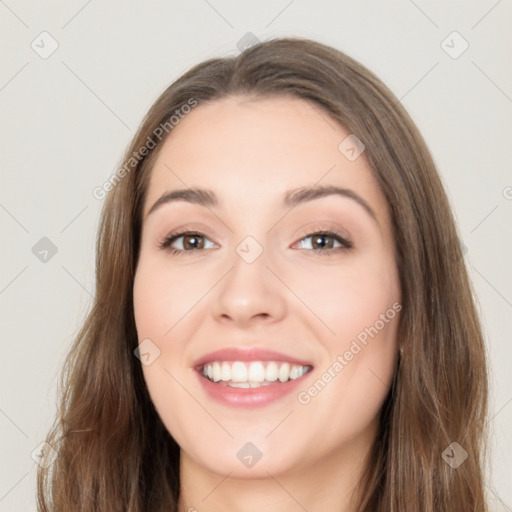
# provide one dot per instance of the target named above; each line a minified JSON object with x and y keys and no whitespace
{"x":76,"y":78}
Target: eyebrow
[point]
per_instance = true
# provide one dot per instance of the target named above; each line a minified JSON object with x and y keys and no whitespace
{"x":292,"y":198}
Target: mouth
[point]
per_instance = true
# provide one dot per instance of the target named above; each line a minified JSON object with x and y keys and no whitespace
{"x":243,"y":377}
{"x":255,"y":374}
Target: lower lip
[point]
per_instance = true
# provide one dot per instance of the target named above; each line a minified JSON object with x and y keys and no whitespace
{"x":249,"y":397}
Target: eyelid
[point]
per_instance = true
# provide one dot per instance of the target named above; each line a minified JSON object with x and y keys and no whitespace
{"x":192,"y":228}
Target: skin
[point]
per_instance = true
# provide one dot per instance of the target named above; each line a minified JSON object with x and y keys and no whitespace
{"x":291,"y":299}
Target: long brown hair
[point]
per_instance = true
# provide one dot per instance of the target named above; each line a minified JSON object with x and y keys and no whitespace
{"x":114,"y":452}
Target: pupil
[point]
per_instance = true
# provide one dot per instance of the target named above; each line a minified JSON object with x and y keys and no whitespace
{"x":193,"y":245}
{"x":321,"y":237}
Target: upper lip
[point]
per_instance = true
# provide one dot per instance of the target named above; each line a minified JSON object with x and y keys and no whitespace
{"x":247,"y":354}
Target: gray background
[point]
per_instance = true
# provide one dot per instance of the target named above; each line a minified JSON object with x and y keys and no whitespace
{"x":67,"y":118}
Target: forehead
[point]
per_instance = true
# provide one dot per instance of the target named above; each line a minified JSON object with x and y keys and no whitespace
{"x":250,"y":151}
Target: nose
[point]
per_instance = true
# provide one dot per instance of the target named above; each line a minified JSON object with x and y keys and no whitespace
{"x":249,"y":294}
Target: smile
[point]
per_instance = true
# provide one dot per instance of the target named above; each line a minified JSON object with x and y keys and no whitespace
{"x":250,"y":376}
{"x":255,"y":374}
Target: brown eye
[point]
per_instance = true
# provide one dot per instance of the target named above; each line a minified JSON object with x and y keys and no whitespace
{"x":193,"y":242}
{"x":325,"y":242}
{"x":322,"y":242}
{"x":186,"y":242}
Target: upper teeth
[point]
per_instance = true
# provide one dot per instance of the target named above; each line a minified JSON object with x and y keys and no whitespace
{"x":253,"y":372}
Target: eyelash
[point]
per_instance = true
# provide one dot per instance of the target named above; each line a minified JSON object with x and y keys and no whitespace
{"x":168,"y":240}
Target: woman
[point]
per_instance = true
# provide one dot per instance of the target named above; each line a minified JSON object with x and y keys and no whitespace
{"x":283,"y":317}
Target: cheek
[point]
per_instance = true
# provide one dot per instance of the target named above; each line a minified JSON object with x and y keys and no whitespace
{"x":161,"y":299}
{"x":163,"y":295}
{"x":366,"y":366}
{"x":348,"y":298}
{"x":359,"y":308}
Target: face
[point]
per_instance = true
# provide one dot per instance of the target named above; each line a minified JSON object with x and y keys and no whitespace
{"x":285,"y":296}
